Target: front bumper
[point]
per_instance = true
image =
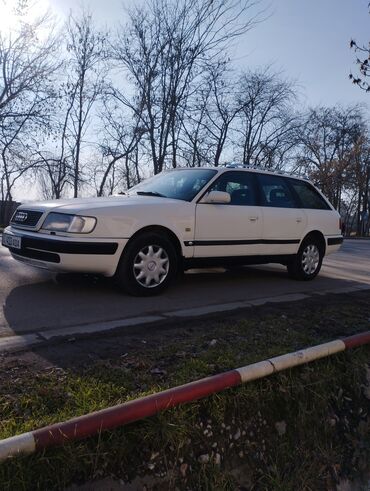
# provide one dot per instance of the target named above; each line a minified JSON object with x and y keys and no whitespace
{"x":67,"y":254}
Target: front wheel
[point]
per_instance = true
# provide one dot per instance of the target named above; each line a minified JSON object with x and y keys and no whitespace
{"x":148,"y":265}
{"x":307,"y":262}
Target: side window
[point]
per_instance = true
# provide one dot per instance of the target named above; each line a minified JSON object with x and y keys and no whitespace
{"x":276,"y":192}
{"x":308,"y":195}
{"x":240,"y":186}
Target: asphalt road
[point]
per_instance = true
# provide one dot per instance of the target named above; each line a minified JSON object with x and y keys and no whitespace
{"x":34,"y":300}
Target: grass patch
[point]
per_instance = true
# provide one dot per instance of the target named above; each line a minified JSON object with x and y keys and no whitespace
{"x":300,"y":429}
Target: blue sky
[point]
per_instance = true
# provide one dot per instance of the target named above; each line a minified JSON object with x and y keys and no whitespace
{"x":309,"y":40}
{"x":306,"y":39}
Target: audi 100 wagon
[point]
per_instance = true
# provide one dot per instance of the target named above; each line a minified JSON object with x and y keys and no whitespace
{"x":180,"y":219}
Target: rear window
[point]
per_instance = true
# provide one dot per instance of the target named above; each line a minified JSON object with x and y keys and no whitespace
{"x":308,"y":196}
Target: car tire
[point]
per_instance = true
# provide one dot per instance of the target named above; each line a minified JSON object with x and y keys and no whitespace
{"x":306,"y":264}
{"x":148,"y":265}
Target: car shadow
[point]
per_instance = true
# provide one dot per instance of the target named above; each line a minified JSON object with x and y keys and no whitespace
{"x":68,"y":300}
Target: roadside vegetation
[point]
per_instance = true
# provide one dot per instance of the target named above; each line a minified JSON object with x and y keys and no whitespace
{"x":305,"y":429}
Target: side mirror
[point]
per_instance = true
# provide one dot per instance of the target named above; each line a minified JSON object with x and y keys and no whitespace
{"x":215,"y":197}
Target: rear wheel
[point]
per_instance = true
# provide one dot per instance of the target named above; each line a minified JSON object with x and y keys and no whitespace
{"x":148,"y":265}
{"x":307,"y":262}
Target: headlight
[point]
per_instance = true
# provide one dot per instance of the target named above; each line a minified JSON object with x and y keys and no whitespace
{"x":60,"y":222}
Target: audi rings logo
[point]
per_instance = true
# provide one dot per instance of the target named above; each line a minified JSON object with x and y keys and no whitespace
{"x":20,"y":216}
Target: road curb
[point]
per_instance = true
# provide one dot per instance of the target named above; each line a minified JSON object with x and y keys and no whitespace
{"x":26,"y":341}
{"x":122,"y":414}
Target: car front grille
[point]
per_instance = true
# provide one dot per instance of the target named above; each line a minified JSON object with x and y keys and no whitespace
{"x":27,"y":218}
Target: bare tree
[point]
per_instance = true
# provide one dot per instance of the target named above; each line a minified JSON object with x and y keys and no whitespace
{"x":86,"y":48}
{"x":26,"y":96}
{"x":121,"y":136}
{"x":164,"y":49}
{"x":357,"y":183}
{"x":222,"y":110}
{"x":328,"y":138}
{"x":363,"y":64}
{"x":193,"y":141}
{"x":57,"y":172}
{"x":266,"y":121}
{"x":209,"y":118}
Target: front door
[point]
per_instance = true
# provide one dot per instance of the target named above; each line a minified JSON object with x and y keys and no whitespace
{"x":233,"y":229}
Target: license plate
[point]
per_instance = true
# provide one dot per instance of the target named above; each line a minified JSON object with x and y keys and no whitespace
{"x":12,"y":241}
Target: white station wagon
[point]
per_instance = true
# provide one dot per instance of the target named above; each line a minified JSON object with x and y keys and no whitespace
{"x":177,"y":220}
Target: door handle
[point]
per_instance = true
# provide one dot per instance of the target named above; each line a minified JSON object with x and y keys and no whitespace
{"x":253,"y":219}
{"x":298,"y":219}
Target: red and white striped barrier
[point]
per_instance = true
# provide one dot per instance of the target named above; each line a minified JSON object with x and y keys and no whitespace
{"x":93,"y":423}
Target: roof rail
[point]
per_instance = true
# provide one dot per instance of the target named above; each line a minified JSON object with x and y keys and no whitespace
{"x":233,"y":165}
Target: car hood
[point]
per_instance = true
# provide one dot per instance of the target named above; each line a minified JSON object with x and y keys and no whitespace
{"x":80,"y":205}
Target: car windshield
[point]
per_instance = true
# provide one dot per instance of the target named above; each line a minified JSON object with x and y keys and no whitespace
{"x":182,"y":184}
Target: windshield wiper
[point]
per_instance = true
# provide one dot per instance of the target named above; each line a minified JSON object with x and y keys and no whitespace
{"x":150,"y":193}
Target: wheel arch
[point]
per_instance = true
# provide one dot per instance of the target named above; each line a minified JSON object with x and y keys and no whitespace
{"x":125,"y":276}
{"x":161,"y":230}
{"x":317,"y":235}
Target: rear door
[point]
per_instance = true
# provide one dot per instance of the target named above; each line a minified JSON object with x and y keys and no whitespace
{"x":284,"y":221}
{"x":320,"y":216}
{"x":233,"y":229}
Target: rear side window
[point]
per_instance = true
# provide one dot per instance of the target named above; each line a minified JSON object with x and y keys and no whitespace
{"x":240,"y":186}
{"x":308,"y":196}
{"x":276,"y":192}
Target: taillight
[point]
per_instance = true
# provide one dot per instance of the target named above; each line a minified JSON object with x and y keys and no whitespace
{"x":340,"y":224}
